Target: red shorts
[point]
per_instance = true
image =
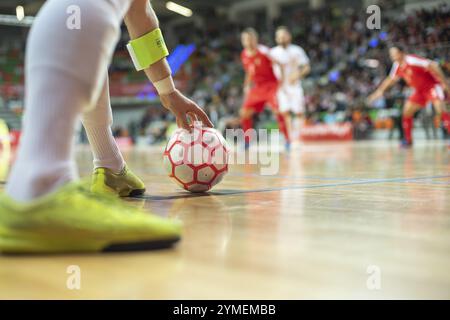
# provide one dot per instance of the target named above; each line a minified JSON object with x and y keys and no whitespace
{"x":260,"y":95}
{"x":422,"y":96}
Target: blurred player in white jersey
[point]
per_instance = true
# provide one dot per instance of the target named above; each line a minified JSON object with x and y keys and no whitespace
{"x":295,"y":64}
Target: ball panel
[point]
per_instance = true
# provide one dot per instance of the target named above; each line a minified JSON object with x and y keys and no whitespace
{"x":198,"y":188}
{"x":210,"y":140}
{"x":197,"y":155}
{"x":219,"y":158}
{"x":205,"y":175}
{"x":186,"y":137}
{"x":218,"y":178}
{"x":177,"y":153}
{"x":184,"y":173}
{"x":197,"y":134}
{"x":168,"y":166}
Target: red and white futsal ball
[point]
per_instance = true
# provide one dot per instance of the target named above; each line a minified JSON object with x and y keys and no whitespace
{"x":196,"y":160}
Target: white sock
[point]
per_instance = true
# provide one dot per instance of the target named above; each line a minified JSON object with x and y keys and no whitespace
{"x":297,"y":124}
{"x":97,"y":124}
{"x":64,"y":75}
{"x":44,"y":160}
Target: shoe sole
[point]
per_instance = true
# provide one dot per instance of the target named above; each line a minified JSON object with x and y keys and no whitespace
{"x":136,"y":192}
{"x":20,"y":246}
{"x":142,"y":246}
{"x":128,"y":192}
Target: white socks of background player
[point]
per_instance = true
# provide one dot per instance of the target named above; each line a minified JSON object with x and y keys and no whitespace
{"x":297,"y":124}
{"x":65,"y":72}
{"x":97,"y":124}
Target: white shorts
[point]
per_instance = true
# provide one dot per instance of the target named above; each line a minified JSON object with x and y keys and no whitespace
{"x":291,"y":98}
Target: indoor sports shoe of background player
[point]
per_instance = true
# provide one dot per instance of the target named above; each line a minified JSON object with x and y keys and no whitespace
{"x":427,"y":80}
{"x":43,"y":208}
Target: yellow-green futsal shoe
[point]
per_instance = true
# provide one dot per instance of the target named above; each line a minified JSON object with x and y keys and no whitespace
{"x":124,"y":183}
{"x":75,"y":220}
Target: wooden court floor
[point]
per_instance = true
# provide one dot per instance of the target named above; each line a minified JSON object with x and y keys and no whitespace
{"x":345,"y":220}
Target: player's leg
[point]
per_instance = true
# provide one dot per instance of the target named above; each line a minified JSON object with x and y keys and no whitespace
{"x":253,"y":103}
{"x":97,"y":123}
{"x":284,"y":104}
{"x":271,"y":98}
{"x":110,"y":171}
{"x":409,"y":109}
{"x":246,"y":115}
{"x":64,"y":74}
{"x":442,"y":114}
{"x":445,"y":116}
{"x":5,"y":150}
{"x":298,"y":109}
{"x":57,"y":91}
{"x":288,"y":121}
{"x":297,"y":124}
{"x":438,"y":99}
{"x":282,"y":125}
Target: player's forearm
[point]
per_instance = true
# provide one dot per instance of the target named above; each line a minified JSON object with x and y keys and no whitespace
{"x":247,"y":81}
{"x":140,"y":20}
{"x":379,"y":92}
{"x":386,"y":84}
{"x":305,"y":70}
{"x":300,"y":73}
{"x":283,"y":75}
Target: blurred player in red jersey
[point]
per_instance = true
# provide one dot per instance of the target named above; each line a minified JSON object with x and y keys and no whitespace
{"x":260,"y":85}
{"x":428,"y":82}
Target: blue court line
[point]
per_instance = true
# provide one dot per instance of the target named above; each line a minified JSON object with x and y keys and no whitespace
{"x":297,"y":187}
{"x":294,"y":177}
{"x":290,"y":177}
{"x":436,"y":183}
{"x":390,"y":180}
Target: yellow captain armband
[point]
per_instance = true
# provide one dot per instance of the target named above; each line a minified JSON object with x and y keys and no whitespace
{"x":148,"y":49}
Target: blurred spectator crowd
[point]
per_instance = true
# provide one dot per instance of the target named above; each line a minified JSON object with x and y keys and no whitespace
{"x":347,"y":59}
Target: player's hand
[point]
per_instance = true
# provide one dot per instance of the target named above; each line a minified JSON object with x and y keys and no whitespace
{"x":184,"y":108}
{"x":374,"y":96}
{"x":294,"y":77}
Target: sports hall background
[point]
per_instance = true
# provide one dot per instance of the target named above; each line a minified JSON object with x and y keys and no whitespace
{"x":347,"y":61}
